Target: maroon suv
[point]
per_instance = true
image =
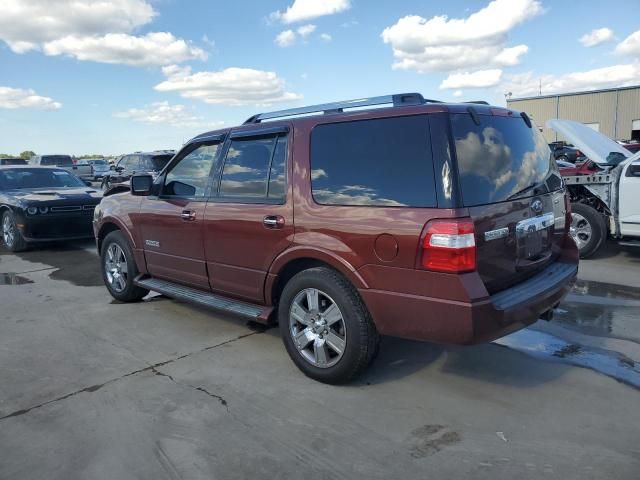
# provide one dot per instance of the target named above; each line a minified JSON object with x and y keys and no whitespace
{"x":423,"y":220}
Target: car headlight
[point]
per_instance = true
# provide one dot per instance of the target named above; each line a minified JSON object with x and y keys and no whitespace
{"x":43,"y":210}
{"x":32,"y":210}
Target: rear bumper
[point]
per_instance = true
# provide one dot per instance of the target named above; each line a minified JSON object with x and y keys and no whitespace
{"x":457,"y":322}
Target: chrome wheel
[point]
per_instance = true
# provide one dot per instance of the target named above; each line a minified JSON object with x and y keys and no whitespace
{"x":8,"y":231}
{"x":115,"y":267}
{"x":580,"y":230}
{"x":317,"y":327}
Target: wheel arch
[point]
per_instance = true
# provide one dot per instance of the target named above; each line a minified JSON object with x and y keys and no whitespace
{"x":111,"y":225}
{"x":297,"y":259}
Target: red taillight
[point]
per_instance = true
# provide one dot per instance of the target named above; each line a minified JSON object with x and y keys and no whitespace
{"x":449,"y":246}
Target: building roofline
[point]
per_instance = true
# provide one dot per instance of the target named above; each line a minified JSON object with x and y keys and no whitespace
{"x":571,"y":94}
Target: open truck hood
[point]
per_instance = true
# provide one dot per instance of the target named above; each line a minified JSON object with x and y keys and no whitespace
{"x":594,"y":144}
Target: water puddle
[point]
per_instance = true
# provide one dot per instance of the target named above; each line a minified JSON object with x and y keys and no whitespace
{"x":13,"y":279}
{"x":605,"y":290}
{"x":546,"y":346}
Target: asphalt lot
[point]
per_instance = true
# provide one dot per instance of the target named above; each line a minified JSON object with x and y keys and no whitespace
{"x":93,"y":389}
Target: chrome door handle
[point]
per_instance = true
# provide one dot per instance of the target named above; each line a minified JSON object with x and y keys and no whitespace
{"x":273,"y":221}
{"x":188,"y":215}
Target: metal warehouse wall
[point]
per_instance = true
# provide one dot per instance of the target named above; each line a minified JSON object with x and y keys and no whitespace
{"x":614,"y":110}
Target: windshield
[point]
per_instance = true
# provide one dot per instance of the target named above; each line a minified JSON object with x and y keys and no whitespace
{"x":32,"y":178}
{"x":500,"y":158}
{"x":57,"y":160}
{"x":97,"y":162}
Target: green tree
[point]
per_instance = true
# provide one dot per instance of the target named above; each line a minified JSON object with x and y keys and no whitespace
{"x":27,"y":154}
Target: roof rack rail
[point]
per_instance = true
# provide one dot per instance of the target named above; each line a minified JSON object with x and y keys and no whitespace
{"x":398,"y":100}
{"x":479,"y":102}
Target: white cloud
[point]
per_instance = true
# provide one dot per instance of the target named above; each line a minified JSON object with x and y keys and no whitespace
{"x":326,"y":37}
{"x":231,"y":86}
{"x":596,"y":37}
{"x":630,"y":45}
{"x":19,"y":98}
{"x":286,"y":38}
{"x":479,"y":79}
{"x":165,"y":113}
{"x":458,"y":93}
{"x":528,"y":84}
{"x":306,"y":30}
{"x":302,"y":10}
{"x":156,"y":48}
{"x":26,"y":24}
{"x":444,"y":44}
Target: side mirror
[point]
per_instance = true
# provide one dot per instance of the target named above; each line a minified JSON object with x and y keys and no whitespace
{"x":141,"y":185}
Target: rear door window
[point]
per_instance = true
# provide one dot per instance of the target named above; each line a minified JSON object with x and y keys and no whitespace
{"x":499,"y":158}
{"x":57,"y":160}
{"x":381,"y":162}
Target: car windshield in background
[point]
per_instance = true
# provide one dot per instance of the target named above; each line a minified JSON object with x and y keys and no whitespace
{"x":12,"y":161}
{"x":160,"y":161}
{"x":33,"y":178}
{"x":57,"y":160}
{"x":500,"y":158}
{"x":97,"y":162}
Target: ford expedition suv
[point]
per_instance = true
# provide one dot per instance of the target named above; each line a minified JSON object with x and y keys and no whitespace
{"x":403,"y":217}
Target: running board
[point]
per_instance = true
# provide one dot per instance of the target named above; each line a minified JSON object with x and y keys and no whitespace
{"x":629,"y":243}
{"x":257,"y":313}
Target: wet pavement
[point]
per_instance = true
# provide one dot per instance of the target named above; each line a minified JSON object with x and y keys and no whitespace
{"x":92,"y":388}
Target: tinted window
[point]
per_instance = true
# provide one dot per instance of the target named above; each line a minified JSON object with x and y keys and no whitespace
{"x":190,"y":176}
{"x":384,"y":162}
{"x":158,"y":162}
{"x":246,"y":168}
{"x":277,"y":174}
{"x":26,"y":178}
{"x":57,"y":160}
{"x":499,"y":158}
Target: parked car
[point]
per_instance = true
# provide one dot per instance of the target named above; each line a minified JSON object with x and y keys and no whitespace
{"x":139,"y":162}
{"x":42,"y":204}
{"x":566,"y":152}
{"x":632,"y":147}
{"x":429,"y":221}
{"x":100,"y":167}
{"x":13,"y":161}
{"x":85,"y":172}
{"x":605,"y":191}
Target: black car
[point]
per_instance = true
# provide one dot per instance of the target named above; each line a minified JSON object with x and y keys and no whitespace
{"x":140,"y":162}
{"x":41,"y":204}
{"x":566,"y":152}
{"x":13,"y":161}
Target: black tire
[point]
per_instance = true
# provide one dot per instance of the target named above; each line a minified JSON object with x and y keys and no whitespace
{"x":591,"y":218}
{"x":130,"y":292}
{"x":361,"y":338}
{"x":16,"y":243}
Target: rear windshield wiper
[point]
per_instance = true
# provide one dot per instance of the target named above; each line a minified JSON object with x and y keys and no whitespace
{"x":534,"y":186}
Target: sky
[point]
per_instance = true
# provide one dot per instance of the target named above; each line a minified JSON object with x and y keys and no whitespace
{"x":117,"y":76}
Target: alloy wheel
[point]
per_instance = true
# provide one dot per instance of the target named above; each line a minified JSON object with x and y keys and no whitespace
{"x":8,"y":231}
{"x":115,"y":267}
{"x":580,"y":230}
{"x":317,"y":328}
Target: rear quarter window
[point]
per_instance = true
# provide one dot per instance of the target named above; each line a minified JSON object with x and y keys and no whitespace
{"x":379,"y":162}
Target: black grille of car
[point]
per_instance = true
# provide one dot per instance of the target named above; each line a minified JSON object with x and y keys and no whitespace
{"x":73,"y":208}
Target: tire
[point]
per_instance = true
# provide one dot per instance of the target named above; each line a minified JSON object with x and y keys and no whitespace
{"x":346,"y":338}
{"x":105,"y":185}
{"x":119,"y":281}
{"x":11,"y":235}
{"x":588,"y":229}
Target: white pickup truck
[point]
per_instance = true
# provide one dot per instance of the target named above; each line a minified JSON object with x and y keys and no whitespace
{"x":85,"y":172}
{"x":605,"y":200}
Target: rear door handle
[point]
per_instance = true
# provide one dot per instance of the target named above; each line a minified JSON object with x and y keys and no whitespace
{"x":188,"y":215}
{"x":273,"y":221}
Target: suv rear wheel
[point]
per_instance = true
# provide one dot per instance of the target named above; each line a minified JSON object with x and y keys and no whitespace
{"x":587,"y":229}
{"x":326,"y":328}
{"x":119,"y":269}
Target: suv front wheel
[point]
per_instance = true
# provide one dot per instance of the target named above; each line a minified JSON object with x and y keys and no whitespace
{"x":326,"y":328}
{"x":119,"y":269}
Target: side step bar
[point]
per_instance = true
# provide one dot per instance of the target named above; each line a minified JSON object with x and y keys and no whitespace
{"x":256,"y":313}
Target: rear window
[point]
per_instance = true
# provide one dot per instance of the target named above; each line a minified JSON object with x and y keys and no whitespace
{"x":499,"y":158}
{"x":56,"y":160}
{"x":381,"y":162}
{"x":160,"y":161}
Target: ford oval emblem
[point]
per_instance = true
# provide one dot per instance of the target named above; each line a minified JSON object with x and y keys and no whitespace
{"x":536,"y":206}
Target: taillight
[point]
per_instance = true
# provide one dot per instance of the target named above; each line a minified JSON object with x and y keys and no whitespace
{"x":449,"y":246}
